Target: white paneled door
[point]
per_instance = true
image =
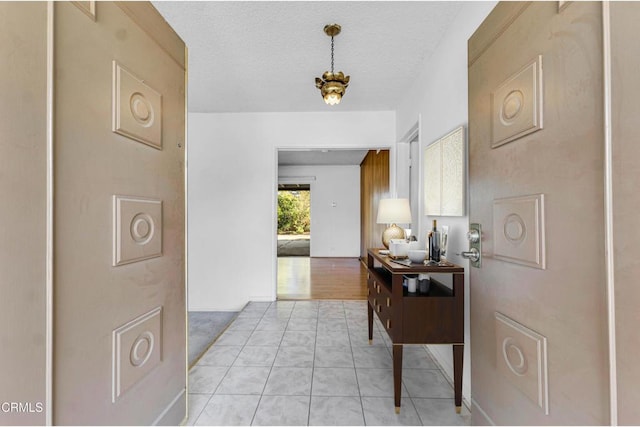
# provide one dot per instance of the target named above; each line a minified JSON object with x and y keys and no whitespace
{"x":119,"y":216}
{"x":538,"y":302}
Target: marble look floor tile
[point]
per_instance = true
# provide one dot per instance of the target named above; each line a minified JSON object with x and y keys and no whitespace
{"x":372,"y":357}
{"x":289,"y":382}
{"x":333,"y":339}
{"x":258,"y":306}
{"x":265,"y":338}
{"x":244,"y":324}
{"x":304,"y":313}
{"x":298,"y":339}
{"x":358,"y":324}
{"x":282,"y":411}
{"x":360,"y":338}
{"x":277,"y":314}
{"x":416,"y":357}
{"x":250,"y":315}
{"x":441,"y":412}
{"x":197,"y":402}
{"x":226,"y":410}
{"x":244,"y":380}
{"x":354,"y":304}
{"x":282,"y":304}
{"x":307,"y":304}
{"x":376,"y":382}
{"x":223,"y":395}
{"x":335,"y":411}
{"x":380,"y":411}
{"x":302,"y":324}
{"x":333,"y":357}
{"x":256,"y":356}
{"x":233,"y":338}
{"x":334,"y":382}
{"x":426,"y":383}
{"x":272,"y":325}
{"x":220,"y":355}
{"x":331,"y":313}
{"x":325,"y":324}
{"x":330,"y":303}
{"x":294,"y":357}
{"x":205,"y":379}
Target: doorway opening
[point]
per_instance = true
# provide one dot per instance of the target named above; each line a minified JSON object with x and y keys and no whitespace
{"x":332,"y":268}
{"x":294,"y":220}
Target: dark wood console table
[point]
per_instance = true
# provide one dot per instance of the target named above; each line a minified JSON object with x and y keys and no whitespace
{"x":436,"y":317}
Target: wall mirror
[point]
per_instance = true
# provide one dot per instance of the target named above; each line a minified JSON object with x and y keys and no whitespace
{"x":444,"y":175}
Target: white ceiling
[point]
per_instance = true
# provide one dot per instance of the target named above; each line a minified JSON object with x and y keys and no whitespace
{"x":321,"y":157}
{"x":264,"y":56}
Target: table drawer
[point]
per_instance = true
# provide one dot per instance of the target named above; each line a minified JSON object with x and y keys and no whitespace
{"x":379,"y":297}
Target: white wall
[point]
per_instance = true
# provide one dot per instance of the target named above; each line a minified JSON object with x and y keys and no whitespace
{"x":232,"y":172}
{"x":335,"y":208}
{"x":439,"y":97}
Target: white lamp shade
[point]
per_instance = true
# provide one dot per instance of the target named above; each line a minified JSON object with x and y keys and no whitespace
{"x":394,"y":211}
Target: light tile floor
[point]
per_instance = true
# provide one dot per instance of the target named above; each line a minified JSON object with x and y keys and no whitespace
{"x":310,"y":363}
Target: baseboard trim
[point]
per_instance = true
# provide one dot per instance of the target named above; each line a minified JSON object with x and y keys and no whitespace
{"x":478,"y":410}
{"x":171,"y":414}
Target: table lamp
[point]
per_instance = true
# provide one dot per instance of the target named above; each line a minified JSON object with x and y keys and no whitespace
{"x":392,"y":211}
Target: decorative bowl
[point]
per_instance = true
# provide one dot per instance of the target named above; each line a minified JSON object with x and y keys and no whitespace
{"x":417,"y":255}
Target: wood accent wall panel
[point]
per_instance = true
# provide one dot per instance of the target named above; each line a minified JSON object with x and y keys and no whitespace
{"x":374,"y":185}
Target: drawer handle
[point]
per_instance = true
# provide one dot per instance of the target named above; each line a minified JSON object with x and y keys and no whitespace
{"x":368,"y":275}
{"x":378,"y":288}
{"x":379,"y":308}
{"x":388,"y":323}
{"x":368,"y":292}
{"x":388,"y":302}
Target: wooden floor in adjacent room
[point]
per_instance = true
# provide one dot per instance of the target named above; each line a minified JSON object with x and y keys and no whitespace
{"x":321,"y":278}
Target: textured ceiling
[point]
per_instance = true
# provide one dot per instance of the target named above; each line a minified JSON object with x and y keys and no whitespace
{"x":264,"y":56}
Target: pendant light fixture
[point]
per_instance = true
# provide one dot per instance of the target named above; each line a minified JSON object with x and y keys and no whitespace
{"x":332,"y":85}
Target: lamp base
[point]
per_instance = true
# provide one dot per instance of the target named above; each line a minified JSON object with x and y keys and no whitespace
{"x":392,"y":232}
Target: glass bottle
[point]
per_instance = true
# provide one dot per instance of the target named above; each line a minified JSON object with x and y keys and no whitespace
{"x":434,"y":243}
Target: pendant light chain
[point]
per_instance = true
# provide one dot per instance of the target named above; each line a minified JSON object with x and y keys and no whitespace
{"x":331,"y":54}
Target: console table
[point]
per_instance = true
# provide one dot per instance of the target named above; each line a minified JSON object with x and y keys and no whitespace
{"x":436,"y":317}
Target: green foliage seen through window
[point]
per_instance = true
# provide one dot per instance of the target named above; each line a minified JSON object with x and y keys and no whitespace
{"x":294,"y":212}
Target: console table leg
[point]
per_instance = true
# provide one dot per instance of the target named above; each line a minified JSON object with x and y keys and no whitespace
{"x":370,"y":321}
{"x":458,"y":353}
{"x":397,"y":375}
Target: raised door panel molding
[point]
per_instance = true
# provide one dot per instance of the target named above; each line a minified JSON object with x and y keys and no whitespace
{"x":87,"y":7}
{"x":137,"y":108}
{"x":521,"y":357}
{"x":516,"y":105}
{"x":137,"y":229}
{"x":137,"y":350}
{"x":518,"y":230}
